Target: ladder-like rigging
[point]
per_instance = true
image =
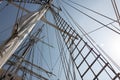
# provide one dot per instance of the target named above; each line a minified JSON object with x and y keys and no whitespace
{"x":78,"y":48}
{"x":88,"y":62}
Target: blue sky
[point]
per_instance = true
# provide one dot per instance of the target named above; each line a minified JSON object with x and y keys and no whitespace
{"x":105,"y":38}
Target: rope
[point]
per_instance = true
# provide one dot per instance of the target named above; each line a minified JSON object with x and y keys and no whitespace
{"x":43,"y":57}
{"x":97,"y":29}
{"x":32,"y":60}
{"x":92,"y":18}
{"x":64,"y":58}
{"x":49,"y":47}
{"x":22,"y":12}
{"x":83,"y":32}
{"x":93,"y":11}
{"x":18,"y":13}
{"x":115,"y":27}
{"x":61,"y":54}
{"x":116,"y":11}
{"x":67,"y":17}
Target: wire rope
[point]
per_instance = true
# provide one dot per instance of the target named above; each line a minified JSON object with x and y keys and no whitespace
{"x":92,"y":18}
{"x":59,"y":70}
{"x":64,"y":57}
{"x":32,"y":59}
{"x":115,"y":27}
{"x":22,"y":12}
{"x":98,"y":14}
{"x":43,"y":57}
{"x":83,"y":31}
{"x":63,"y":61}
{"x":18,"y":11}
{"x":51,"y":64}
{"x":88,"y":32}
{"x":99,"y":29}
{"x":116,"y":10}
{"x":64,"y":65}
{"x":93,"y":11}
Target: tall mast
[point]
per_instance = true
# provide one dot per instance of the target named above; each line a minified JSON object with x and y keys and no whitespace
{"x":86,"y":61}
{"x":17,"y":64}
{"x":20,"y":32}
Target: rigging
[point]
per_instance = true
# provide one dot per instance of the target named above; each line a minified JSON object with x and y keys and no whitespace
{"x":91,"y":40}
{"x":76,"y":59}
{"x":92,"y":18}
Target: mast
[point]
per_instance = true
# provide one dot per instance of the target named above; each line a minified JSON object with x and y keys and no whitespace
{"x":18,"y":64}
{"x":19,"y":33}
{"x":84,"y":58}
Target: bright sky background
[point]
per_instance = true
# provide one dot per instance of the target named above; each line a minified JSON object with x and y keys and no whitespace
{"x":108,"y":40}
